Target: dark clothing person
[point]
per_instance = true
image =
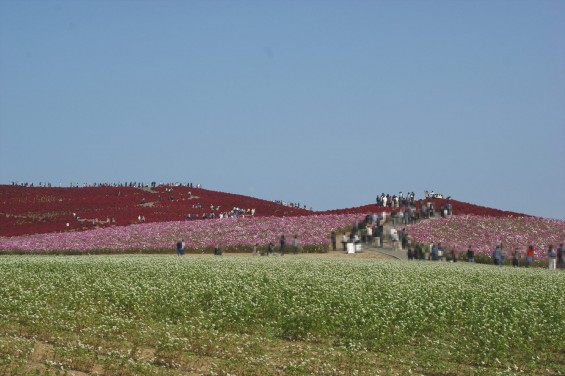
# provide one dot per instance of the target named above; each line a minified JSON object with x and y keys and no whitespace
{"x":180,"y":249}
{"x":283,"y":244}
{"x":497,"y":256}
{"x":410,"y":253}
{"x":515,"y":258}
{"x":470,"y":255}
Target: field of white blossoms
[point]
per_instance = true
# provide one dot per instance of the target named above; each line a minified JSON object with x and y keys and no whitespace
{"x":167,"y":315}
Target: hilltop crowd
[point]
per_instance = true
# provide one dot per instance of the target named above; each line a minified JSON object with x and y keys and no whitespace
{"x":131,"y":184}
{"x":401,"y":200}
{"x":233,"y":213}
{"x":290,"y":204}
{"x":395,"y":201}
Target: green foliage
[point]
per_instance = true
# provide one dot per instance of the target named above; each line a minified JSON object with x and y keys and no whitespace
{"x":139,"y":314}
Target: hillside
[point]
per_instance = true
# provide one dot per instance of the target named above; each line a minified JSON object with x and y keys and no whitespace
{"x":25,"y":210}
{"x":458,"y":207}
{"x":35,"y":210}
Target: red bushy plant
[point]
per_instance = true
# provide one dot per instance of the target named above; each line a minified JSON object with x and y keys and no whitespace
{"x":31,"y":210}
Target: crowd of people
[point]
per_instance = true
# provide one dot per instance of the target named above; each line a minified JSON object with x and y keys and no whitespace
{"x":396,"y":201}
{"x":233,"y":213}
{"x":268,"y":250}
{"x":517,"y":257}
{"x":290,"y":204}
{"x":401,"y":200}
{"x":133,"y":184}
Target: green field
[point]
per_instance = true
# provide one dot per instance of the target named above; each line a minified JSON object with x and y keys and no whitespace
{"x":146,"y":315}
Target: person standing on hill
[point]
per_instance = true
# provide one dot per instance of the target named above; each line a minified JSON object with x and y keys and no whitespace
{"x":560,"y":260}
{"x":270,"y":248}
{"x":283,"y":244}
{"x":435,"y":252}
{"x":497,"y":256}
{"x":552,"y":257}
{"x":409,"y":253}
{"x":295,"y":245}
{"x":404,"y":238}
{"x":516,"y":257}
{"x":529,"y":255}
{"x":418,"y":254}
{"x":344,"y":241}
{"x":180,"y":247}
{"x":470,"y":255}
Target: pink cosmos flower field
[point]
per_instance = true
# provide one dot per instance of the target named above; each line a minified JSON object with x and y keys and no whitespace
{"x":311,"y":230}
{"x":484,"y":233}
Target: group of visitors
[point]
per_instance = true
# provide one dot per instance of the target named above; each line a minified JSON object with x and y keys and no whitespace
{"x":257,"y":250}
{"x":499,"y":254}
{"x":133,"y":184}
{"x":270,"y":250}
{"x":181,"y":249}
{"x":234,"y":213}
{"x":432,"y":194}
{"x":31,"y":185}
{"x":436,"y":252}
{"x":290,"y":204}
{"x":555,"y":257}
{"x":396,"y":201}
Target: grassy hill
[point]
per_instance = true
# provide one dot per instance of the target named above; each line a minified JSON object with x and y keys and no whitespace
{"x":37,"y":210}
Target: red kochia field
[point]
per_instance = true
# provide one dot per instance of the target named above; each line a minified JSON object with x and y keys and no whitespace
{"x":35,"y":210}
{"x":38,"y":210}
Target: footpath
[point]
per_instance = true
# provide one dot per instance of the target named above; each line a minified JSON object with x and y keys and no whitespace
{"x":388,"y":250}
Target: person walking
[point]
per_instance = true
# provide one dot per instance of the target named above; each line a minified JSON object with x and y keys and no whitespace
{"x":295,"y":245}
{"x":516,"y":257}
{"x":560,"y":260}
{"x":180,"y":247}
{"x":344,"y":242}
{"x":270,"y":248}
{"x":434,"y":252}
{"x":529,"y":256}
{"x":283,"y":244}
{"x":552,"y":257}
{"x":470,"y":255}
{"x":404,"y":238}
{"x":334,"y":240}
{"x":217,"y":251}
{"x":497,"y":256}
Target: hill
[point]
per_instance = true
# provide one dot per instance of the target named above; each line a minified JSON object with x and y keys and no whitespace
{"x":458,"y":207}
{"x":35,"y":210}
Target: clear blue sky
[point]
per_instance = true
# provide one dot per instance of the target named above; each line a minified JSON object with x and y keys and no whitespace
{"x":326,"y":103}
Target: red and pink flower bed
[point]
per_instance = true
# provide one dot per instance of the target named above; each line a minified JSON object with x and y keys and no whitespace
{"x":27,"y":210}
{"x":311,"y":230}
{"x":484,"y":233}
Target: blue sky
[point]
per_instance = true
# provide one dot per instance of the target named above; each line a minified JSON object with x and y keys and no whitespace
{"x":325,"y":103}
